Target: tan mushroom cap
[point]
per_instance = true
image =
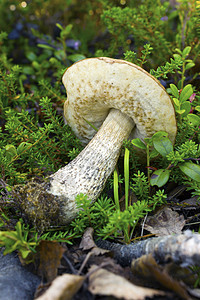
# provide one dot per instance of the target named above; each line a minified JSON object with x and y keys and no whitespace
{"x":95,"y":85}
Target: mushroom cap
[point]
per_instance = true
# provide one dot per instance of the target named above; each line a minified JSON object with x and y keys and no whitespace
{"x":95,"y":85}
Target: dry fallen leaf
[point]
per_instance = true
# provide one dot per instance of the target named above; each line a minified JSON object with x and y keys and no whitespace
{"x":50,"y":254}
{"x":63,"y":287}
{"x":103,"y":282}
{"x":147,"y":267}
{"x":88,"y":243}
{"x":165,"y":222}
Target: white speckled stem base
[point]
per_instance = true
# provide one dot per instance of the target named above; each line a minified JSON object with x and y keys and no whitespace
{"x":88,"y":172}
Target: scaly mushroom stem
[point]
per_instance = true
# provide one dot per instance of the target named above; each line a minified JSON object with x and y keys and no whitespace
{"x":53,"y":201}
{"x":89,"y":171}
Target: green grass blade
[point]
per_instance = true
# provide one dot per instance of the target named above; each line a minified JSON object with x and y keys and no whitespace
{"x":126,"y":176}
{"x":115,"y":189}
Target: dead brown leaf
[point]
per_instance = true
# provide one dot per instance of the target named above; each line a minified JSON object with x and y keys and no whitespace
{"x":50,"y":254}
{"x":63,"y":287}
{"x":103,"y":282}
{"x":88,"y":243}
{"x":165,"y":222}
{"x":147,"y":267}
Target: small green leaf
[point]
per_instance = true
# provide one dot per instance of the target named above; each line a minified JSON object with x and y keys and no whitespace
{"x":160,"y":134}
{"x":28,"y":70}
{"x":186,"y":51}
{"x":178,"y":50}
{"x":160,"y":177}
{"x":197,"y":108}
{"x":163,"y":145}
{"x":194,"y":119}
{"x":59,"y":26}
{"x":19,"y":230}
{"x":176,"y":102}
{"x":24,"y":253}
{"x":76,"y":57}
{"x":189,"y":65}
{"x":31,"y":56}
{"x":11,"y":151}
{"x":192,"y":170}
{"x":180,"y":111}
{"x":174,"y":90}
{"x":177,"y":56}
{"x":186,"y":92}
{"x":36,"y":65}
{"x":65,"y":32}
{"x":187,"y":107}
{"x":23,"y":147}
{"x":46,"y":47}
{"x":138,"y":143}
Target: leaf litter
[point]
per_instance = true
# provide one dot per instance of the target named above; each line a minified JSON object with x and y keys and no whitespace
{"x":95,"y":272}
{"x":89,"y":271}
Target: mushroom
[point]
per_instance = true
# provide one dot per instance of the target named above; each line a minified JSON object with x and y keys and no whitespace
{"x":121,"y":99}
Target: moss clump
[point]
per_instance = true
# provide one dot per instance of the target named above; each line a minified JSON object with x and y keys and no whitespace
{"x":36,"y":205}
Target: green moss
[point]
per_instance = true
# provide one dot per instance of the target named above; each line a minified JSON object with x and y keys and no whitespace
{"x":37,"y":206}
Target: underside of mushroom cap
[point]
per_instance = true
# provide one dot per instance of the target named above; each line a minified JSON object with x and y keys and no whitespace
{"x":95,"y":85}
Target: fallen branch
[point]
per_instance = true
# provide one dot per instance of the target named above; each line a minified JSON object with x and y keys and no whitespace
{"x":183,"y":249}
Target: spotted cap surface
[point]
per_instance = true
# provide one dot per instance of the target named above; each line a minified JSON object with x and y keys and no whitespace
{"x":95,"y":85}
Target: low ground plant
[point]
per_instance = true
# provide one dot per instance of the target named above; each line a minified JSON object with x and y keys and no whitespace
{"x":35,"y":141}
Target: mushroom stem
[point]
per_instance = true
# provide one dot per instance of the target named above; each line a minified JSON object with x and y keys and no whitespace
{"x":89,"y":171}
{"x":52,"y":202}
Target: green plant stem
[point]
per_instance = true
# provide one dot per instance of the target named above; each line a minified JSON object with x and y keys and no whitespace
{"x":183,"y":75}
{"x":126,"y":234}
{"x":126,"y":176}
{"x":115,"y":189}
{"x":148,"y":164}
